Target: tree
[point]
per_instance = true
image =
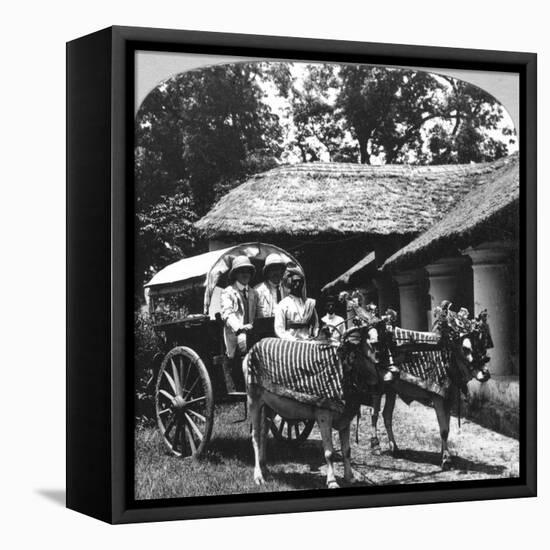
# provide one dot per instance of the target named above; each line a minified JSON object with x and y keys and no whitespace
{"x":473,"y":113}
{"x":164,"y":234}
{"x":400,"y":115}
{"x":318,"y":127}
{"x":203,"y":129}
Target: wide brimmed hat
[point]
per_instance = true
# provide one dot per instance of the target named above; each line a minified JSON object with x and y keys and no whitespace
{"x":241,"y":262}
{"x":274,"y":259}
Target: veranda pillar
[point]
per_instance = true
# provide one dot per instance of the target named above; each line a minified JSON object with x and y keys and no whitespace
{"x":411,"y":301}
{"x":491,"y":264}
{"x":444,"y":280}
{"x":387,"y":295}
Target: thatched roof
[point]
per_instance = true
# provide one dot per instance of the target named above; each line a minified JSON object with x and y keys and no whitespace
{"x":490,"y":211}
{"x":344,"y":199}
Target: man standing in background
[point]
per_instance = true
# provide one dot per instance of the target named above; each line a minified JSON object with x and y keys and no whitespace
{"x":333,"y":322}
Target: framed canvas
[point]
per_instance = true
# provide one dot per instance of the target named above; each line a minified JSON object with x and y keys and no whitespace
{"x":271,"y":240}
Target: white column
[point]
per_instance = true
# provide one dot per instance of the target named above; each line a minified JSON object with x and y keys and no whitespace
{"x":444,"y":277}
{"x":411,"y":305}
{"x":491,"y":269}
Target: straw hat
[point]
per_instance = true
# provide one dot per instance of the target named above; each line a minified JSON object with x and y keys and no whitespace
{"x":241,"y":262}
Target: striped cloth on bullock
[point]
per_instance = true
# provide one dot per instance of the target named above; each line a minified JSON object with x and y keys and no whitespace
{"x":309,"y":372}
{"x":426,"y":368}
{"x":403,"y":335}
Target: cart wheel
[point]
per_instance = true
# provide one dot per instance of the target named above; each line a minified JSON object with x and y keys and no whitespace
{"x":184,"y":402}
{"x":290,"y":431}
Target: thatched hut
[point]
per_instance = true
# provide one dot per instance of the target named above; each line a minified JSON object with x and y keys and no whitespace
{"x":332,"y":214}
{"x":488,"y":212}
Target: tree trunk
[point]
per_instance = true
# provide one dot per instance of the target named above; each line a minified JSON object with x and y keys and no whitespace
{"x":302,"y":152}
{"x":364,"y":157}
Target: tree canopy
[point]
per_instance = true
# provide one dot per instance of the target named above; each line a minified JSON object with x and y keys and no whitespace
{"x":203,"y":129}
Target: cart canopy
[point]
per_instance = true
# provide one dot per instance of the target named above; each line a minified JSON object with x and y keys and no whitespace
{"x":209,"y":271}
{"x":186,"y":269}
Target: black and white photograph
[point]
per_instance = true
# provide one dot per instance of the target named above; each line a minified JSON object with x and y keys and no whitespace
{"x":274,"y":275}
{"x":326,"y":275}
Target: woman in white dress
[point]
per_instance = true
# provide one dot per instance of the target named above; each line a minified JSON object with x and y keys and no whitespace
{"x":295,"y":315}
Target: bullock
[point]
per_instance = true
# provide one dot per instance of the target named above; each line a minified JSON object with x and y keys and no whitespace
{"x":309,"y":380}
{"x":460,"y":355}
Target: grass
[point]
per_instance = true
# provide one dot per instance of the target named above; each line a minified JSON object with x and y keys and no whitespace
{"x":227,"y":467}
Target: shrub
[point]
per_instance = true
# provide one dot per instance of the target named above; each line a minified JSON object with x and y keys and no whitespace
{"x":146,"y":352}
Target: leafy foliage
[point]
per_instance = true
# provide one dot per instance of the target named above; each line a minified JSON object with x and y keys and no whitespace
{"x":475,"y":113}
{"x":164,"y":233}
{"x":318,"y":126}
{"x":202,"y":130}
{"x":147,"y":352}
{"x":414,"y":116}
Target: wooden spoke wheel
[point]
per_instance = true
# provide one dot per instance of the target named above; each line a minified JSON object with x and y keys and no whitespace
{"x":184,"y":402}
{"x":294,"y":432}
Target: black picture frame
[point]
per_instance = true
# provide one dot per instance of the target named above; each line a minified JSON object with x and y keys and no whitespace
{"x":100,"y":126}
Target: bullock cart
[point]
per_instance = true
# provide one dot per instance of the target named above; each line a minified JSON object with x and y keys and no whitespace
{"x":192,"y":372}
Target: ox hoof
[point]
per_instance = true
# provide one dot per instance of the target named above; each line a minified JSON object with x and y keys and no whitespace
{"x":394,"y":451}
{"x":375,"y":446}
{"x":259,"y":478}
{"x":446,"y":464}
{"x":333,"y":485}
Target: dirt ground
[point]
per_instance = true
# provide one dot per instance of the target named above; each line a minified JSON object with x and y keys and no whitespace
{"x":478,"y":453}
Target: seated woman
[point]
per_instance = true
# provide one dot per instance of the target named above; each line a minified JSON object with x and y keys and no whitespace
{"x":295,"y":315}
